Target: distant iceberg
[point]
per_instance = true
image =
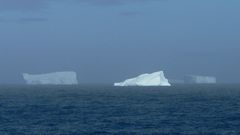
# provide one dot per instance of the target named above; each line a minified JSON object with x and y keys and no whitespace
{"x":195,"y":79}
{"x":153,"y":79}
{"x":56,"y":78}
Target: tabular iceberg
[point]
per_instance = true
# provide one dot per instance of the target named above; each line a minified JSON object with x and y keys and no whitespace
{"x":56,"y":78}
{"x":200,"y":79}
{"x":153,"y":79}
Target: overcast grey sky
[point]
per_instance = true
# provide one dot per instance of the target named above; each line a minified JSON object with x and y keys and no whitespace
{"x":110,"y":40}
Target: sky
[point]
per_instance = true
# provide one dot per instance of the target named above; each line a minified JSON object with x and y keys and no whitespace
{"x":107,"y":41}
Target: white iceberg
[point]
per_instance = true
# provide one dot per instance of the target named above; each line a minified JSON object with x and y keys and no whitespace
{"x":153,"y":79}
{"x":195,"y":79}
{"x":56,"y":78}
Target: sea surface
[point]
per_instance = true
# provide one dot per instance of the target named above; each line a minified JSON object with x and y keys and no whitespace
{"x":107,"y":110}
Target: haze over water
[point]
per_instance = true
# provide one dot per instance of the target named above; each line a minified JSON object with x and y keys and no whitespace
{"x":105,"y":41}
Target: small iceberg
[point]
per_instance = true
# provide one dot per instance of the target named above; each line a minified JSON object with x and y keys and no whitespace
{"x":196,"y":79}
{"x":153,"y":79}
{"x":56,"y":78}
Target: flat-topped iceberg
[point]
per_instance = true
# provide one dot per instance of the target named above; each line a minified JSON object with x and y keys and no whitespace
{"x":200,"y":79}
{"x":56,"y":78}
{"x":153,"y":79}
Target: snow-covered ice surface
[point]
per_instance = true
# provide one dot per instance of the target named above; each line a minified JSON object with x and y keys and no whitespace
{"x":153,"y":79}
{"x":56,"y":78}
{"x":200,"y":79}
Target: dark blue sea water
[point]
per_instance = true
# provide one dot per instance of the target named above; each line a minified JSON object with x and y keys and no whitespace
{"x":106,"y":110}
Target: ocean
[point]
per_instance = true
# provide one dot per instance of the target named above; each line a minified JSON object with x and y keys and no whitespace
{"x":107,"y":110}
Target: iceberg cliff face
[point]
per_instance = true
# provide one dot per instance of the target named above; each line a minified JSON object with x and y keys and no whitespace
{"x":153,"y":79}
{"x":57,"y":78}
{"x":200,"y":79}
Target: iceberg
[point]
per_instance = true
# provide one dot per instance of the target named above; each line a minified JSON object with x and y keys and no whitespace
{"x":195,"y":79}
{"x":56,"y":78}
{"x":153,"y":79}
